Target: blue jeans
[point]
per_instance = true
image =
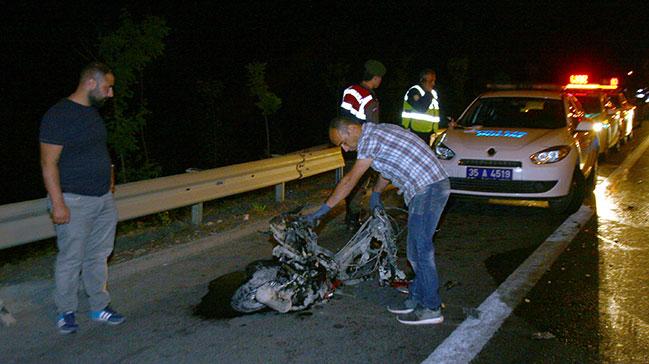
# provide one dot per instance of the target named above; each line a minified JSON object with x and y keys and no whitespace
{"x":84,"y":246}
{"x":424,"y":211}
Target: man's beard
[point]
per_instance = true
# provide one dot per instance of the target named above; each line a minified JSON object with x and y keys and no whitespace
{"x":96,"y":101}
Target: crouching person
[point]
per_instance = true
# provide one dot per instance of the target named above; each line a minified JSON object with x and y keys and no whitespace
{"x":402,"y":158}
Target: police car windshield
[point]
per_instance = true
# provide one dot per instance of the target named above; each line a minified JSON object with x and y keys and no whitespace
{"x":515,"y":112}
{"x":590,"y":103}
{"x":615,"y":101}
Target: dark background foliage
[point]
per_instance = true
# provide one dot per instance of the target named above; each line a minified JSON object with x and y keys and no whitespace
{"x":202,"y":113}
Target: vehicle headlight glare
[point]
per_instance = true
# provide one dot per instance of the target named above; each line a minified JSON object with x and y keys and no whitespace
{"x":550,"y":155}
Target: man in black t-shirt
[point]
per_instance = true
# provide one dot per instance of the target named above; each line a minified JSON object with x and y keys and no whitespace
{"x":77,"y":174}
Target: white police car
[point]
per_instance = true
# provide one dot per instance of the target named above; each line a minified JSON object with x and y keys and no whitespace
{"x":523,"y":144}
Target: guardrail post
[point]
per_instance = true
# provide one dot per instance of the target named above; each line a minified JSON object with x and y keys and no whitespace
{"x":197,"y":210}
{"x":279,"y":192}
{"x":339,"y":174}
{"x":197,"y":213}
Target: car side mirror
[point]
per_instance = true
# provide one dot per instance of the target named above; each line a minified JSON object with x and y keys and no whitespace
{"x":451,"y":122}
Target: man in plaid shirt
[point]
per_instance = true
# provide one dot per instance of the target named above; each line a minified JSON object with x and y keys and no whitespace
{"x":400,"y":157}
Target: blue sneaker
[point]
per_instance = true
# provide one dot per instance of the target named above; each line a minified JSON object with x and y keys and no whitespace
{"x":107,"y":315}
{"x":66,"y":323}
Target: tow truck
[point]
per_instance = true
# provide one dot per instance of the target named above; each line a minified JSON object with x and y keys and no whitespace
{"x":610,"y":121}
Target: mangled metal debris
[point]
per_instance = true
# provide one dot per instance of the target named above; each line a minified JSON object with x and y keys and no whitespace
{"x":302,"y":272}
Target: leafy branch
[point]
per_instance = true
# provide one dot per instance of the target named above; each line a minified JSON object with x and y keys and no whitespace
{"x":267,"y":102}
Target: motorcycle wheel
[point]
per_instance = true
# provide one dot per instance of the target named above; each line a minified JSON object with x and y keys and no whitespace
{"x":261,"y":264}
{"x":243,"y":299}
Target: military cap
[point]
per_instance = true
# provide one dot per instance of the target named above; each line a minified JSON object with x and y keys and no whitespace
{"x":375,"y":67}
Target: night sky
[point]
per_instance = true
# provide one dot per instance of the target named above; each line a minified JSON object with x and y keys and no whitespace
{"x":43,"y":47}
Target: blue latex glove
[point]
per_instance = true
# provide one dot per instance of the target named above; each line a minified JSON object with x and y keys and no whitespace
{"x":375,"y":201}
{"x":312,"y":219}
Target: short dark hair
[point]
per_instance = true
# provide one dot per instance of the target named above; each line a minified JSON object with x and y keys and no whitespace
{"x":426,"y":71}
{"x":341,"y":123}
{"x":92,"y":70}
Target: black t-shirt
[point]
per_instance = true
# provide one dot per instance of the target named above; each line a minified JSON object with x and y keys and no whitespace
{"x":84,"y":165}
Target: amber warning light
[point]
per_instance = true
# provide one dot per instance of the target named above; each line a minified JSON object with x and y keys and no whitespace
{"x":579,"y":79}
{"x":581,"y":82}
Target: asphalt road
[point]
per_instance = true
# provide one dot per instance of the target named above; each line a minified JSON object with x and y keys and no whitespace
{"x":591,"y":305}
{"x":158,"y":296}
{"x":477,"y":248}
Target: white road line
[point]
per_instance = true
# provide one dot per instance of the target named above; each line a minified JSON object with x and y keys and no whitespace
{"x":468,"y":339}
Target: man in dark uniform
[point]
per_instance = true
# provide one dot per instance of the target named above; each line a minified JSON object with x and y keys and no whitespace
{"x":360,"y":104}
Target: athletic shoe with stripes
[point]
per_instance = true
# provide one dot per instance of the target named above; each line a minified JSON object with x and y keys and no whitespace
{"x":66,"y":323}
{"x":107,"y":315}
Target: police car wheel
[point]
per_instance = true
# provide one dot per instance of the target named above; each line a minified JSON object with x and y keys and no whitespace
{"x":571,"y":202}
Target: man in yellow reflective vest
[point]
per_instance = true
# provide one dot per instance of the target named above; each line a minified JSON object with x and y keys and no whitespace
{"x":421,"y":107}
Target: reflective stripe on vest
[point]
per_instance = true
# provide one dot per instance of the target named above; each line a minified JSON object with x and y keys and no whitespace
{"x":418,"y":121}
{"x":355,"y":103}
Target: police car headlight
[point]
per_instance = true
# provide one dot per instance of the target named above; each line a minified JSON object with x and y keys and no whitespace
{"x":550,"y":155}
{"x":443,"y":152}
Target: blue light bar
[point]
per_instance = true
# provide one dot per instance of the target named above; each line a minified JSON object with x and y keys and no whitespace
{"x":501,"y":133}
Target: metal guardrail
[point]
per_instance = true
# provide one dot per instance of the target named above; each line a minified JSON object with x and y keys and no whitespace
{"x":28,"y":221}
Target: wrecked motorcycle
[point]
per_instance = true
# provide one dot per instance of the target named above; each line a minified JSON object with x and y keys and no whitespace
{"x":302,"y":272}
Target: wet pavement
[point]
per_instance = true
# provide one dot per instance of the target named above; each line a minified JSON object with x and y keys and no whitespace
{"x":591,"y":306}
{"x":623,"y":246}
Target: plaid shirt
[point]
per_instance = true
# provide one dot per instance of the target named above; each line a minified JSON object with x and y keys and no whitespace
{"x":401,"y":157}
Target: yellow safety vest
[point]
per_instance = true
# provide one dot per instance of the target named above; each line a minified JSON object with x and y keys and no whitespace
{"x":417,"y":121}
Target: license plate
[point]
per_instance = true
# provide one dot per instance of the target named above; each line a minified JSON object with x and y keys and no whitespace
{"x":497,"y":174}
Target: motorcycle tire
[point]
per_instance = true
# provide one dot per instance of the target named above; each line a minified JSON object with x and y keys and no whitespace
{"x":260,"y":264}
{"x":243,"y":300}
